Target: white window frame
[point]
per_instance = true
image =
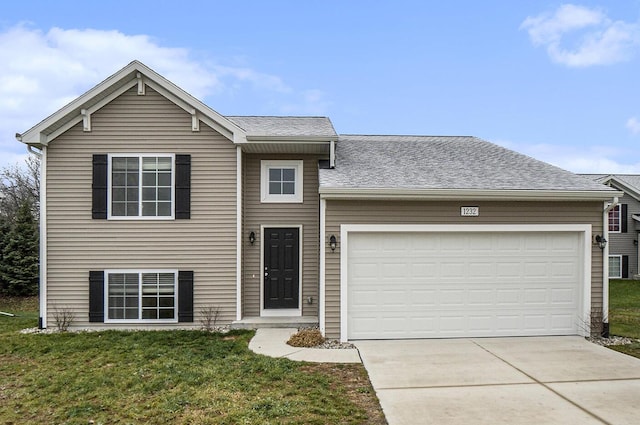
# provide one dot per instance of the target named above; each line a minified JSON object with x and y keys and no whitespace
{"x":266,"y":165}
{"x":617,"y":209}
{"x":140,"y":156}
{"x":140,"y":272}
{"x":619,"y":257}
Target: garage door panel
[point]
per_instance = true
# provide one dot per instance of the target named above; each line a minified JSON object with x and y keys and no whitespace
{"x":421,"y":285}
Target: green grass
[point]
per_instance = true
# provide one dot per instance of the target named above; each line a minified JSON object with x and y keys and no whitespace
{"x":159,"y":377}
{"x":624,"y":313}
{"x":624,"y":308}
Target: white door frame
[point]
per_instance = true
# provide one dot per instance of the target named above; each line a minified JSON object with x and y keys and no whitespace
{"x":281,"y":312}
{"x":583,"y":229}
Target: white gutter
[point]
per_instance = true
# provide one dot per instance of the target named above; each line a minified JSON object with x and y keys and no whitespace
{"x":42,"y":293}
{"x":465,"y":194}
{"x":605,"y":266}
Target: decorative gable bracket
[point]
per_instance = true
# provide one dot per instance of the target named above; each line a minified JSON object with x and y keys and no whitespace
{"x":86,"y":120}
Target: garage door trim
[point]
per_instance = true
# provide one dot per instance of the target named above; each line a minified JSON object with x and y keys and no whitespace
{"x":583,"y":229}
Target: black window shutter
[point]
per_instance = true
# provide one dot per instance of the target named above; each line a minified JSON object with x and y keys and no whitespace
{"x":96,"y":296}
{"x":625,"y":266}
{"x":183,"y":186}
{"x":185,"y":296}
{"x":623,"y":218}
{"x":99,"y":187}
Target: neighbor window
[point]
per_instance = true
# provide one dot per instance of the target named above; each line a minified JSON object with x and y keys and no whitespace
{"x":615,"y":266}
{"x":281,"y":181}
{"x":614,"y":219}
{"x":141,"y":295}
{"x":141,"y":186}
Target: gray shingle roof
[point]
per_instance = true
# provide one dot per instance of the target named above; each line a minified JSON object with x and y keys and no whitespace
{"x":436,"y":162}
{"x":285,"y":126}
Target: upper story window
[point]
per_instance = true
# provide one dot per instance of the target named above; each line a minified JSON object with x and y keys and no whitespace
{"x":614,"y":219}
{"x":281,"y":181}
{"x":141,"y":186}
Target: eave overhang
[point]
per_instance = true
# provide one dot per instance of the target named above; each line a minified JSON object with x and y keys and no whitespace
{"x":465,"y":194}
{"x":294,"y":145}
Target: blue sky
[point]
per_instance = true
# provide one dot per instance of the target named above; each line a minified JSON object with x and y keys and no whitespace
{"x":555,"y":80}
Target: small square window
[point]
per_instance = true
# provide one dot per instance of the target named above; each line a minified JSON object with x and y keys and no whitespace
{"x":281,"y":181}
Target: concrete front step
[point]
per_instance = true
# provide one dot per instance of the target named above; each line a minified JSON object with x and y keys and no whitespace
{"x":275,"y":322}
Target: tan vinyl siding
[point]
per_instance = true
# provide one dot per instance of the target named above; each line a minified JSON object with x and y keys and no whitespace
{"x":205,"y":243}
{"x":432,"y":212}
{"x":294,"y":214}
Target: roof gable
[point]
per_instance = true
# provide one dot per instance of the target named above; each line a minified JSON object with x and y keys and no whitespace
{"x":134,"y":74}
{"x":628,"y":183}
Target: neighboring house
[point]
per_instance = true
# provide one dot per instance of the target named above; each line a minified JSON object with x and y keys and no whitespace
{"x":155,"y":207}
{"x":624,"y":224}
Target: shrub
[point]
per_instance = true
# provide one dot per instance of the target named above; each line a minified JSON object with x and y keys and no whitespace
{"x":306,"y":338}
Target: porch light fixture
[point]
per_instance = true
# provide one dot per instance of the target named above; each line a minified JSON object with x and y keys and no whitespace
{"x":601,"y":241}
{"x":252,"y":237}
{"x":332,"y":242}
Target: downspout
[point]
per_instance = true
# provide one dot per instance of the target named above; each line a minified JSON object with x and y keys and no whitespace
{"x":42,"y":292}
{"x":605,"y":267}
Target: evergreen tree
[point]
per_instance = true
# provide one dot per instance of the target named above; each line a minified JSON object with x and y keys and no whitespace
{"x":4,"y":237}
{"x":19,"y":266}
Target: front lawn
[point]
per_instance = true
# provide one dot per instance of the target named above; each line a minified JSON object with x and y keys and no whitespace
{"x":624,"y":313}
{"x":167,"y":377}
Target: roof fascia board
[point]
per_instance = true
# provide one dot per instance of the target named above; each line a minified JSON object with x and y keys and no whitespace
{"x":33,"y":135}
{"x":46,"y":138}
{"x":466,"y":194}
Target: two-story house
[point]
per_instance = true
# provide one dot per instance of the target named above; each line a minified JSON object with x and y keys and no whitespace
{"x":624,"y":224}
{"x":155,"y":207}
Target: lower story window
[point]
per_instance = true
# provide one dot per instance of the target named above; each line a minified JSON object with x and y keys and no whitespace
{"x":615,"y":266}
{"x":141,"y":295}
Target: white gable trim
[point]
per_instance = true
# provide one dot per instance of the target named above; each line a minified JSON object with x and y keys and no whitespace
{"x":133,"y":74}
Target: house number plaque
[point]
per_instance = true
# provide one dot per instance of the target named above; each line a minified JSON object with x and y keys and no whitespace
{"x":469,"y":211}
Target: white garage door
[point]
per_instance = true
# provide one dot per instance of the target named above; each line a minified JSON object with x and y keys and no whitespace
{"x":453,"y":284}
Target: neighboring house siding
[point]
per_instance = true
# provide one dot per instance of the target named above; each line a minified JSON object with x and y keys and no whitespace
{"x":204,"y":244}
{"x":623,"y":243}
{"x":446,"y":212}
{"x":256,"y":214}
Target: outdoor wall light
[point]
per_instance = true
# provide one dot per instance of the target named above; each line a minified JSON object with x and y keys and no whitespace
{"x":252,"y":237}
{"x":332,"y":242}
{"x":601,"y":241}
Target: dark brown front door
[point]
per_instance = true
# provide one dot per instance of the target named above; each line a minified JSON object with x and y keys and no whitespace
{"x":281,"y":267}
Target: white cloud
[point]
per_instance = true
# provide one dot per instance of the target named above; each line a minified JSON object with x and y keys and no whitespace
{"x":42,"y":71}
{"x":579,"y":159}
{"x":633,"y":124}
{"x":601,"y":41}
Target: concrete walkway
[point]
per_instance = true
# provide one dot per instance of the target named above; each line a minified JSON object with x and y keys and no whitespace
{"x":273,"y":342}
{"x":537,"y":380}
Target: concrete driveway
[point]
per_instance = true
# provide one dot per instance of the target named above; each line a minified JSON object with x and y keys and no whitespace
{"x":534,"y":380}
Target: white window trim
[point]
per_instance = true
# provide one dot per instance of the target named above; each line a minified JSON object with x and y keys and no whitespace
{"x":140,"y":216}
{"x":619,"y":276}
{"x":265,"y":165}
{"x":619,"y":219}
{"x":140,"y":272}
